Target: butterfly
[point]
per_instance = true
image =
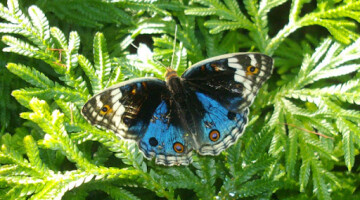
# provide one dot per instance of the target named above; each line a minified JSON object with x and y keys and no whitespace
{"x":204,"y":110}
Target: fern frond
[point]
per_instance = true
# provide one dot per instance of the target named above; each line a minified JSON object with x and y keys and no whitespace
{"x":59,"y":38}
{"x":291,"y":149}
{"x":248,"y":171}
{"x":41,"y":24}
{"x":179,"y":178}
{"x":207,"y":173}
{"x":72,"y":51}
{"x":256,"y":187}
{"x":229,"y":11}
{"x":24,"y":96}
{"x":341,"y":29}
{"x":304,"y":174}
{"x":18,"y":46}
{"x":32,"y":76}
{"x":90,"y":72}
{"x":33,"y":155}
{"x":322,"y":191}
{"x":113,"y":191}
{"x":101,"y":58}
{"x":56,"y":137}
{"x":347,"y":129}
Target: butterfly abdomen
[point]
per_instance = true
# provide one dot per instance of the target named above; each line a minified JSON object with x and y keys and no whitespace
{"x":183,"y":103}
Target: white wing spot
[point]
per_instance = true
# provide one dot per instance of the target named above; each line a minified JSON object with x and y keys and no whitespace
{"x":247,"y":85}
{"x":253,"y":60}
{"x":240,"y":73}
{"x":98,"y":102}
{"x":235,"y":65}
{"x":115,"y":92}
{"x":118,"y":113}
{"x":116,"y":98}
{"x":233,"y":60}
{"x":99,"y":118}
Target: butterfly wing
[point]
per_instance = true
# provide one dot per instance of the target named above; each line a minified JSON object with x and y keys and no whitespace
{"x":220,"y":127}
{"x":139,"y":109}
{"x":232,"y":79}
{"x":226,"y":86}
{"x":165,"y":138}
{"x":126,"y":108}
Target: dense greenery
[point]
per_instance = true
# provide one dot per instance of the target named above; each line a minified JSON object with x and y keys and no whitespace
{"x":303,"y":138}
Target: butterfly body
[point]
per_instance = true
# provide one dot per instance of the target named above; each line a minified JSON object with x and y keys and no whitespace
{"x":203,"y":110}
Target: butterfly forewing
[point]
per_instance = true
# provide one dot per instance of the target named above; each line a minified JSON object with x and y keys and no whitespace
{"x":126,"y":108}
{"x":232,"y":79}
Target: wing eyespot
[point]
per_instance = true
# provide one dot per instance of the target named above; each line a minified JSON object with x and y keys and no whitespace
{"x":105,"y":110}
{"x":178,"y":147}
{"x":214,"y":135}
{"x":251,"y":70}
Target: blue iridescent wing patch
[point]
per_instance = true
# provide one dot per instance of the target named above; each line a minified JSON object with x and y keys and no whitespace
{"x":164,"y":140}
{"x":221,"y":127}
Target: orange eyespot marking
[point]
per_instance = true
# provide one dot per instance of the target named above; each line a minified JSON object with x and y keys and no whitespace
{"x":251,"y":70}
{"x":178,"y":147}
{"x":202,"y":68}
{"x":105,"y":110}
{"x":133,"y":91}
{"x":214,"y":135}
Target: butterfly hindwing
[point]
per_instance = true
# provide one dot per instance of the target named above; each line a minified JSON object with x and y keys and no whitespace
{"x":220,"y":127}
{"x":165,"y":140}
{"x":126,"y":108}
{"x":232,"y":79}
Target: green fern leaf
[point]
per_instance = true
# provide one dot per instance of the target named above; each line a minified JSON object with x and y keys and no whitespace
{"x":256,"y":187}
{"x":348,"y":141}
{"x":33,"y":155}
{"x":322,"y":191}
{"x":18,"y":46}
{"x":101,"y":58}
{"x":291,"y":149}
{"x":304,"y":174}
{"x":41,"y":25}
{"x":59,"y":38}
{"x":32,"y":76}
{"x":90,"y":72}
{"x":248,"y":171}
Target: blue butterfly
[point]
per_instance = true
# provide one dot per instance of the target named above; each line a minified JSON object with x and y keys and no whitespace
{"x":204,"y":110}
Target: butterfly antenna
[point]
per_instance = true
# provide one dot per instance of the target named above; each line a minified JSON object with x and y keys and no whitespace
{"x":133,"y":45}
{"x":174,"y":47}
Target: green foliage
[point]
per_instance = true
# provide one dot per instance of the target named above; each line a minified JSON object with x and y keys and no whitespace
{"x":303,"y":138}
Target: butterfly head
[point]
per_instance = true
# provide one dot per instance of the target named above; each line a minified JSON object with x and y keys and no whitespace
{"x":170,"y":73}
